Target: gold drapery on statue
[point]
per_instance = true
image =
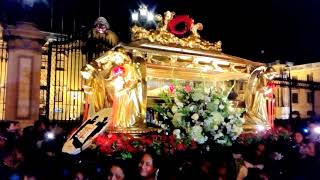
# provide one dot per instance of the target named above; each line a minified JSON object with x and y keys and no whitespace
{"x":256,"y":99}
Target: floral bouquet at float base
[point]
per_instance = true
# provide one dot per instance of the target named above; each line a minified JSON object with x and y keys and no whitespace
{"x":199,"y":114}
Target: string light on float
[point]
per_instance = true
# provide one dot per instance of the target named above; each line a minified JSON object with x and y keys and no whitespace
{"x":143,"y":10}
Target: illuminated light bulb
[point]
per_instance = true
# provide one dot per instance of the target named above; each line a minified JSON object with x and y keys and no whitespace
{"x":143,"y":10}
{"x":135,"y":16}
{"x":150,"y":16}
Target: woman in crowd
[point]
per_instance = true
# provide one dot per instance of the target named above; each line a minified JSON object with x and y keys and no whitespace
{"x":254,"y":163}
{"x":117,"y":171}
{"x":149,"y":166}
{"x":311,"y":162}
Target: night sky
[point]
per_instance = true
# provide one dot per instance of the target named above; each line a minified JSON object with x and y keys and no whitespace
{"x":259,"y":30}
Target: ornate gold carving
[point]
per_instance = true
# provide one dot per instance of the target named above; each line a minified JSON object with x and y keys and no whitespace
{"x":163,"y":36}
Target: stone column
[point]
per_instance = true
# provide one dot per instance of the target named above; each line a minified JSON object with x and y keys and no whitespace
{"x":23,"y":79}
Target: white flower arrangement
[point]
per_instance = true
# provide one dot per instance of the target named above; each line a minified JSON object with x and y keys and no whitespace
{"x":200,"y":115}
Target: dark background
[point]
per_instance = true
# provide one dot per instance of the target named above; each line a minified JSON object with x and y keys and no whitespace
{"x":259,"y":30}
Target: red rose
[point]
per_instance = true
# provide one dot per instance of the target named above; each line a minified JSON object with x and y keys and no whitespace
{"x":120,"y":144}
{"x":131,"y":149}
{"x":172,"y":89}
{"x":112,"y":137}
{"x":172,"y":140}
{"x":146,"y":141}
{"x":180,"y":147}
{"x":100,"y":140}
{"x":187,"y":88}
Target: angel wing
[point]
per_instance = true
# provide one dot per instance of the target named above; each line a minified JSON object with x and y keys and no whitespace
{"x":252,"y":84}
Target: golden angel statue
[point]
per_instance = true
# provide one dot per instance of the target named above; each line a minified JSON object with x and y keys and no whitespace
{"x":127,"y":106}
{"x":114,"y":93}
{"x":256,"y":96}
{"x":116,"y":84}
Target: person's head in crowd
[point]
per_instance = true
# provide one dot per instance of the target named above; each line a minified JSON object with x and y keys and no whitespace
{"x":260,"y":149}
{"x":3,"y":140}
{"x":40,"y":125}
{"x":117,"y":171}
{"x":256,"y":174}
{"x":255,"y":154}
{"x":53,"y":127}
{"x":12,"y":127}
{"x":8,"y":157}
{"x":19,"y":153}
{"x":298,"y":137}
{"x":12,"y":157}
{"x":222,"y":170}
{"x":29,"y":177}
{"x":313,"y":149}
{"x":79,"y":175}
{"x":30,"y":172}
{"x":206,"y":166}
{"x":149,"y":165}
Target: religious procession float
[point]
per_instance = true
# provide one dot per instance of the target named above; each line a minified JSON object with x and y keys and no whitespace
{"x":170,"y":90}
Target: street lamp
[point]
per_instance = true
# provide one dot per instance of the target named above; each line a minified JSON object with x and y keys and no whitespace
{"x":142,"y":16}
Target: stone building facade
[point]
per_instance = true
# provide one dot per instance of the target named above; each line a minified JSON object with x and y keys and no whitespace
{"x":305,"y":101}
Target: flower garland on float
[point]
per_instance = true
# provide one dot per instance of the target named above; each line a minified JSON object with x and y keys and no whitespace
{"x":198,"y":114}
